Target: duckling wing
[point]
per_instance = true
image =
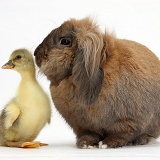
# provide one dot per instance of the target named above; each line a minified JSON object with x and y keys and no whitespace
{"x":11,"y":113}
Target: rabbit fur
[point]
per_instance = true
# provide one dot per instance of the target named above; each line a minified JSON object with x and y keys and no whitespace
{"x":107,"y":89}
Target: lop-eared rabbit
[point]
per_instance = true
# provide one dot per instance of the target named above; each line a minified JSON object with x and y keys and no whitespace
{"x":107,"y":89}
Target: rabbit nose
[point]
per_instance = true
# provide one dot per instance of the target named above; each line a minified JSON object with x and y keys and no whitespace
{"x":41,"y":54}
{"x":45,"y":52}
{"x":40,"y":51}
{"x":37,"y":51}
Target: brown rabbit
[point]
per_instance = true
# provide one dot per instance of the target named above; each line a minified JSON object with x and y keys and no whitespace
{"x":107,"y":89}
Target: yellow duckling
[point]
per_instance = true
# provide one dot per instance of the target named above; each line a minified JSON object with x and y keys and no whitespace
{"x":25,"y":115}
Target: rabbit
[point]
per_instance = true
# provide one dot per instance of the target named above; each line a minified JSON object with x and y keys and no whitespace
{"x":107,"y":89}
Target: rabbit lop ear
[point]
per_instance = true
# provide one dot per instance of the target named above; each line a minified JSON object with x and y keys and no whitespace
{"x":87,"y":72}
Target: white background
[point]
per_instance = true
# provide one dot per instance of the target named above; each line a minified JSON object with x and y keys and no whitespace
{"x":25,"y":23}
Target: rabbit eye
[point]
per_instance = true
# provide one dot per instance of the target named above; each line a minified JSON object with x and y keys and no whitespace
{"x":65,"y":41}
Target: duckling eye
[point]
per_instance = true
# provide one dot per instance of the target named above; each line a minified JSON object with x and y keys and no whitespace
{"x":18,"y":57}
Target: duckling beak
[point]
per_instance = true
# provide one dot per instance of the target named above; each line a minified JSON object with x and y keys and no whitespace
{"x":8,"y":65}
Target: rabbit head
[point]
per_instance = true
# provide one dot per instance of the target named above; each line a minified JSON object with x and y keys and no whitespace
{"x":76,"y":49}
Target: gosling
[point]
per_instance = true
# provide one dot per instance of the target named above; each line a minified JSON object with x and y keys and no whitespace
{"x":28,"y":112}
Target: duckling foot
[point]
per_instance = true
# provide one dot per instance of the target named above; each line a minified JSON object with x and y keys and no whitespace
{"x":32,"y":144}
{"x":35,"y":144}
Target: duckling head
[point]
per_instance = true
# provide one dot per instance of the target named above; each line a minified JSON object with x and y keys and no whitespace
{"x":20,"y":60}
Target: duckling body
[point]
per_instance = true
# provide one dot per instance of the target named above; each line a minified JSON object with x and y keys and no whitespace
{"x":25,"y":115}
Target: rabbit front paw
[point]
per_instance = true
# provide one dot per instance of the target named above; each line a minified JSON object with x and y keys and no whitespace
{"x":88,"y":141}
{"x":85,"y":145}
{"x":101,"y":145}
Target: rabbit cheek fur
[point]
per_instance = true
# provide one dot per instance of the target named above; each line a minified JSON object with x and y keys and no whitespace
{"x":107,"y":89}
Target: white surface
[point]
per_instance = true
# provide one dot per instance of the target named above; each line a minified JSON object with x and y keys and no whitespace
{"x":25,"y":24}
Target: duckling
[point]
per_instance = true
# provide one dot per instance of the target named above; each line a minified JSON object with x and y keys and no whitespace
{"x":27,"y":113}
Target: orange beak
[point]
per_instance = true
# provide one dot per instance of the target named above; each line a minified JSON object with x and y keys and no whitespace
{"x":8,"y":65}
